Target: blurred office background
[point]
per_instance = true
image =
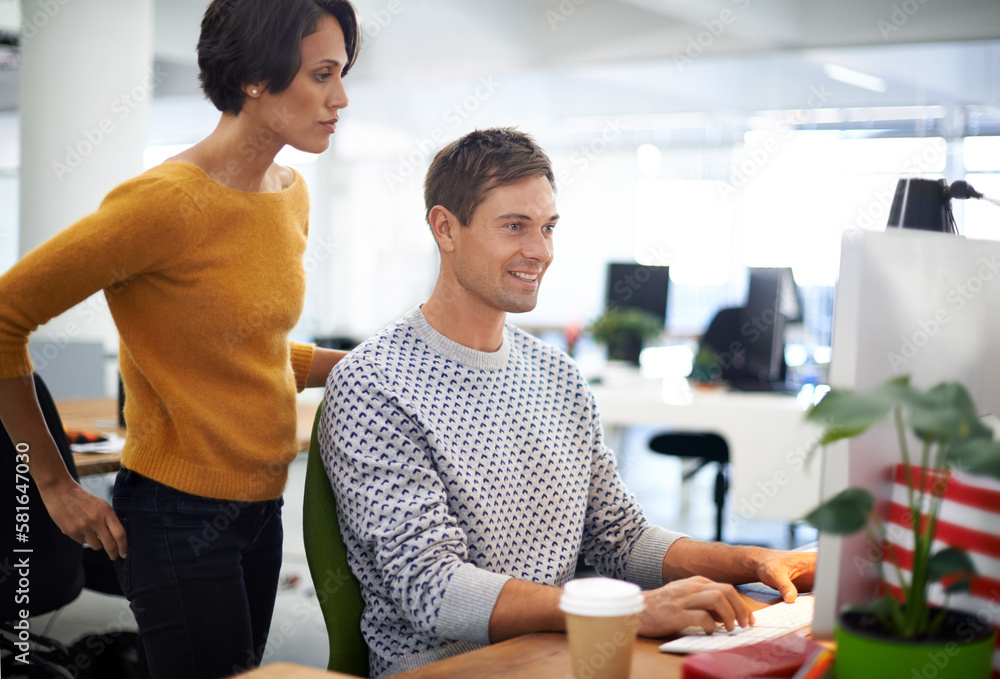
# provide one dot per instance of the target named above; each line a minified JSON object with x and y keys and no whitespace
{"x":707,"y":136}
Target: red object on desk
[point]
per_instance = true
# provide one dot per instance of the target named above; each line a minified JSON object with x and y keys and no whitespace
{"x":781,"y":657}
{"x":81,"y":436}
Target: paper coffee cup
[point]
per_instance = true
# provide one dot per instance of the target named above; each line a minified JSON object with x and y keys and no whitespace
{"x":602,"y":616}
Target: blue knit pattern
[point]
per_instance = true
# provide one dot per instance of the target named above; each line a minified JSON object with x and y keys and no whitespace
{"x":455,"y":470}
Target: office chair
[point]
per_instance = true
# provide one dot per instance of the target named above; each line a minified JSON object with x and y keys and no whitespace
{"x":707,"y":449}
{"x":59,"y":570}
{"x":339,"y":592}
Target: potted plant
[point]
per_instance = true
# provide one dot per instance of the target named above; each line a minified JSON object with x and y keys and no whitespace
{"x":892,"y":636}
{"x":625,"y":331}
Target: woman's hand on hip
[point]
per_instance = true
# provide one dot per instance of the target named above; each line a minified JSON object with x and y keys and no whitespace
{"x":85,"y":518}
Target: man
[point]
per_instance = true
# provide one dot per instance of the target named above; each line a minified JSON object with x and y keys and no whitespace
{"x":468,"y":458}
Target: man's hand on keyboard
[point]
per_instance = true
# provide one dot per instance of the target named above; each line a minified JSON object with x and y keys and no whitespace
{"x":788,"y":572}
{"x":692,"y":602}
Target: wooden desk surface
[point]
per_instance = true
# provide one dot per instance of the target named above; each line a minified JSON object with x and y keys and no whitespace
{"x":541,"y":656}
{"x":532,"y":656}
{"x":546,"y":655}
{"x":101,"y":415}
{"x":284,"y":670}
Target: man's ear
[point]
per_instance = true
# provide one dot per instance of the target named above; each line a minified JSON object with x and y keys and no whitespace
{"x":443,"y":224}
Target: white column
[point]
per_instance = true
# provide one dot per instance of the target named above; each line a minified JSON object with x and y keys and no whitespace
{"x":85,"y":85}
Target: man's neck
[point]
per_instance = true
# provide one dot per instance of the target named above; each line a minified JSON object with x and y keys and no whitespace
{"x":464,"y":321}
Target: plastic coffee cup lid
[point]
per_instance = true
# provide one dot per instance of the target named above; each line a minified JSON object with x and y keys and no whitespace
{"x":600,"y":597}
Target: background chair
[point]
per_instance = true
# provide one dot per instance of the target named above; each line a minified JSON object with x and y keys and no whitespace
{"x":338,"y":590}
{"x":707,"y":449}
{"x":59,"y":570}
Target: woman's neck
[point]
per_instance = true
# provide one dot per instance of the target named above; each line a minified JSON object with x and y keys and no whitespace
{"x":240,"y":154}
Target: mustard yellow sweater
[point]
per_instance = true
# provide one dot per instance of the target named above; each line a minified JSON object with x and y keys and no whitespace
{"x":204,"y":283}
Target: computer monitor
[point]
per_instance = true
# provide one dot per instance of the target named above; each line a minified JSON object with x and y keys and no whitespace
{"x":908,"y":302}
{"x":772,"y":301}
{"x":637,"y":286}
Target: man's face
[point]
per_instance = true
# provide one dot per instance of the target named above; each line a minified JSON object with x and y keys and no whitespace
{"x":501,"y":256}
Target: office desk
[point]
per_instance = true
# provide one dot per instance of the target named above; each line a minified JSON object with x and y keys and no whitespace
{"x":532,"y":656}
{"x":101,"y":415}
{"x":285,"y":670}
{"x":96,"y":415}
{"x":541,"y":656}
{"x":767,"y":435}
{"x":546,"y":655}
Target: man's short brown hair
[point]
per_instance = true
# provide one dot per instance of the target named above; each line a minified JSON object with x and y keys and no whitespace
{"x":464,"y":171}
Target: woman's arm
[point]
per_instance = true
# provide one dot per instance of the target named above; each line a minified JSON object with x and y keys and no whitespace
{"x":102,"y":251}
{"x":80,"y":515}
{"x":322,"y":363}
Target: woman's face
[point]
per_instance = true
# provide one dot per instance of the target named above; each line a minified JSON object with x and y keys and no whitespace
{"x":305,"y":114}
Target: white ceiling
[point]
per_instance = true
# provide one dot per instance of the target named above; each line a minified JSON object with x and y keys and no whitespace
{"x":554,"y":61}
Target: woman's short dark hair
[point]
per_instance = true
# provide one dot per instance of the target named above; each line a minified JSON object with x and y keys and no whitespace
{"x":249,"y":41}
{"x":464,"y":171}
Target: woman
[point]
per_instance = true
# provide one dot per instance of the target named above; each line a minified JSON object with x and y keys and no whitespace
{"x":200,"y":260}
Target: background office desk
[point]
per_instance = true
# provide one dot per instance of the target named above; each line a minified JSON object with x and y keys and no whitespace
{"x":96,"y":415}
{"x":101,"y":415}
{"x":767,"y":435}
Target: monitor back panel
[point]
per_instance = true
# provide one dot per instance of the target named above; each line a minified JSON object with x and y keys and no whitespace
{"x":908,"y":302}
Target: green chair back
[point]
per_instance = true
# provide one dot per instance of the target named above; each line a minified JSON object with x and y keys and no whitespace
{"x":338,"y":590}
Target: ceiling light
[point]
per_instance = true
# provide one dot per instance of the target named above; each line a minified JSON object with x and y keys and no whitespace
{"x":856,"y":78}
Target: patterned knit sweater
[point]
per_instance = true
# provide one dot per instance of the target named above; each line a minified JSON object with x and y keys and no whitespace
{"x":456,"y":470}
{"x":204,"y":283}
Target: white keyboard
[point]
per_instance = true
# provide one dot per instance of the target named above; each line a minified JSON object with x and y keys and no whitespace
{"x":770,"y":623}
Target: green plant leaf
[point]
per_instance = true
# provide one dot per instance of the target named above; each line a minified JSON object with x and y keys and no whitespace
{"x":951,"y":561}
{"x":960,"y":585}
{"x":844,"y":513}
{"x":946,"y":419}
{"x":833,"y":434}
{"x":976,"y":456}
{"x":845,"y":414}
{"x":946,"y":412}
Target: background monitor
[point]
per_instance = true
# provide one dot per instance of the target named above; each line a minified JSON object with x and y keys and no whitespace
{"x":748,"y":342}
{"x":638,"y":286}
{"x":772,"y":301}
{"x":908,"y":302}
